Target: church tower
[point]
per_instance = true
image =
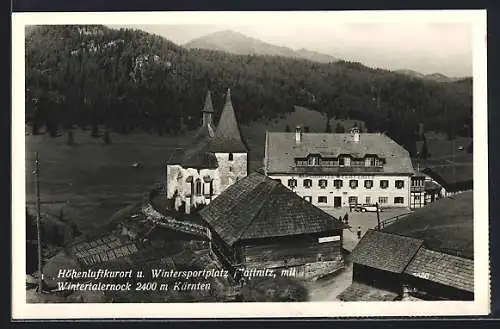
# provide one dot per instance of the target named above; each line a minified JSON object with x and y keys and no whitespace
{"x":228,"y":147}
{"x":214,"y":160}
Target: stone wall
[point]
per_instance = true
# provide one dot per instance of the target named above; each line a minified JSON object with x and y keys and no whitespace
{"x":228,"y":172}
{"x":231,"y":171}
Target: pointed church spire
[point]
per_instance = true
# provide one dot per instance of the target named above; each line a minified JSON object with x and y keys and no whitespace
{"x":228,"y":135}
{"x":207,"y":110}
{"x":208,"y":103}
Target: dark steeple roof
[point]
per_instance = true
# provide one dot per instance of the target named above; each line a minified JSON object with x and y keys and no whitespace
{"x":208,"y":103}
{"x":207,"y":129}
{"x":207,"y":141}
{"x":228,"y":136}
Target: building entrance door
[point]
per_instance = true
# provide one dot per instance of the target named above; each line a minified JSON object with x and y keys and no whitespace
{"x":337,"y":201}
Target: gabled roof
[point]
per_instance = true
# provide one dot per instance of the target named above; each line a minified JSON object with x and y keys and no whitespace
{"x":260,"y":207}
{"x":384,"y":251}
{"x":227,"y":135}
{"x":445,"y":269}
{"x":282,"y":149}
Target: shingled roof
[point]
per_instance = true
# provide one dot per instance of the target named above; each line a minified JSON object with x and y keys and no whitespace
{"x":259,"y":207}
{"x":384,"y":251}
{"x":228,"y":135}
{"x":282,"y":149}
{"x":365,"y":293}
{"x":449,"y":270}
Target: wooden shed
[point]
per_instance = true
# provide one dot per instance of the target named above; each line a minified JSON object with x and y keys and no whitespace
{"x":433,"y":275}
{"x":259,"y":223}
{"x":378,"y":263}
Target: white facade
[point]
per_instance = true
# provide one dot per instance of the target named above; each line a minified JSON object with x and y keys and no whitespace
{"x":193,"y":187}
{"x":332,"y":196}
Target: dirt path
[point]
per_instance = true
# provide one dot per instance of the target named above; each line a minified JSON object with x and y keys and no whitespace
{"x":329,"y":288}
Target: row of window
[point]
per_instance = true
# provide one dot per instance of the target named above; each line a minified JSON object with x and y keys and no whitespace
{"x":354,"y":199}
{"x":418,"y":182}
{"x":199,"y":188}
{"x":338,"y":183}
{"x":345,"y":161}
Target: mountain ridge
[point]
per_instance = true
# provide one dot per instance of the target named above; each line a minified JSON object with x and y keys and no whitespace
{"x":240,"y":44}
{"x":128,"y":79}
{"x":436,"y":76}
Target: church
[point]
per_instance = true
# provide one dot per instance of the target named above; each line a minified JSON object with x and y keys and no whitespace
{"x":217,"y":158}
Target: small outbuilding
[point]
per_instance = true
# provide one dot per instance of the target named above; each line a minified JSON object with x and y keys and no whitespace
{"x":378,"y":263}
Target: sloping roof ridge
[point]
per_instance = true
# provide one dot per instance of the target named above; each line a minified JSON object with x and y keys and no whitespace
{"x":307,"y":204}
{"x":399,"y":235}
{"x":409,"y":238}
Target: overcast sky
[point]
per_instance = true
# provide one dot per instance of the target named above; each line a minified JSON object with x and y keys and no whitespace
{"x":426,"y":47}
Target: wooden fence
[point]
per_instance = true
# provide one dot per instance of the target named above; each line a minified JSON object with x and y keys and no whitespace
{"x":389,"y":221}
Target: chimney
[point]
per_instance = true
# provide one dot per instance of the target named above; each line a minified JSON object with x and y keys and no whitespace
{"x":298,"y":135}
{"x":355,"y":134}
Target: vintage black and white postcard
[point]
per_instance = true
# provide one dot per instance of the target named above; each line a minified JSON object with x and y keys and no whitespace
{"x":249,"y":164}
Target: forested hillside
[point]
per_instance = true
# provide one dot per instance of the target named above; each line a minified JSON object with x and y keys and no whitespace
{"x":125,"y":79}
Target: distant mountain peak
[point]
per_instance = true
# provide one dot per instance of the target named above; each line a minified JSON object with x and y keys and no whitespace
{"x":436,"y":76}
{"x":238,"y":43}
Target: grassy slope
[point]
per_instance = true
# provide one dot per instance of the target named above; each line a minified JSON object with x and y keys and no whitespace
{"x":446,"y":225}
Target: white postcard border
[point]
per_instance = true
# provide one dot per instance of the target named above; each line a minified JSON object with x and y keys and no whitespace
{"x":480,"y":306}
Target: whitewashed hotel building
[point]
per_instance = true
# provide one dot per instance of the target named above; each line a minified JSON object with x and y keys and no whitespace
{"x":335,"y":170}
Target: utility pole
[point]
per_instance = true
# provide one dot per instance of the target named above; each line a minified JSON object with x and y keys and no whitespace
{"x":38,"y":223}
{"x":378,"y":217}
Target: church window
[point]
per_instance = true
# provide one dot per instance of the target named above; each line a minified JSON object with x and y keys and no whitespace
{"x":198,"y":187}
{"x":189,"y":185}
{"x":230,"y":156}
